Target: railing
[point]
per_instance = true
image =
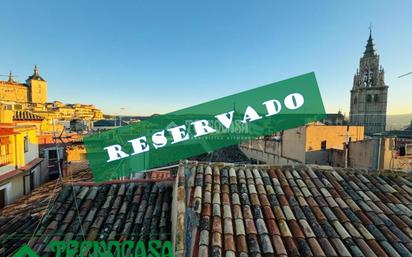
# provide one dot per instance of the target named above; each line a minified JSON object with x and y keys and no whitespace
{"x":5,"y":159}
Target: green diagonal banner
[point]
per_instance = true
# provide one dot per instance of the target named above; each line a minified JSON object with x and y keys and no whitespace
{"x":202,"y":128}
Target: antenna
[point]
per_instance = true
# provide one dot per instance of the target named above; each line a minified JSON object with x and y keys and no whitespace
{"x":406,"y":74}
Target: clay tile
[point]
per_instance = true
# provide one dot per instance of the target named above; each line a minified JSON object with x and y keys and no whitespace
{"x":216,"y":188}
{"x":250,"y":226}
{"x":293,"y":249}
{"x":311,"y":202}
{"x":233,"y":189}
{"x":352,"y":230}
{"x":227,"y":212}
{"x":284,"y":228}
{"x":216,"y":198}
{"x":216,"y":179}
{"x":264,"y":200}
{"x":282,"y":200}
{"x":278,"y":213}
{"x":207,"y":197}
{"x":230,"y":254}
{"x":273,"y":200}
{"x":203,"y":251}
{"x":389,"y":235}
{"x":217,"y":239}
{"x":365,"y":220}
{"x":340,"y":215}
{"x":321,"y":201}
{"x":216,"y":210}
{"x":207,"y":187}
{"x":340,"y":247}
{"x":272,"y":173}
{"x":272,"y":227}
{"x":364,"y":247}
{"x":279,"y":246}
{"x":306,"y":228}
{"x":254,"y":199}
{"x":225,"y":189}
{"x":216,"y":171}
{"x":204,"y":237}
{"x":232,"y":172}
{"x":225,"y":199}
{"x":279,"y":190}
{"x":208,"y":170}
{"x":208,"y":179}
{"x":332,"y":203}
{"x":267,"y":213}
{"x":247,"y":212}
{"x":233,"y":180}
{"x":239,"y":227}
{"x":327,"y":247}
{"x":204,"y":223}
{"x":329,"y":214}
{"x":235,"y":199}
{"x":253,"y":244}
{"x":248,"y":173}
{"x":237,"y":212}
{"x":228,"y":226}
{"x":261,"y":226}
{"x":206,"y":209}
{"x":376,"y":248}
{"x":302,"y":201}
{"x":229,"y":243}
{"x":241,"y":244}
{"x":365,"y":233}
{"x":244,"y":199}
{"x":266,"y":245}
{"x":241,"y":173}
{"x":287,"y":190}
{"x":288,"y":213}
{"x":259,"y":182}
{"x":257,"y":212}
{"x":270,"y":190}
{"x":261,"y":189}
{"x":316,"y":248}
{"x":341,"y":230}
{"x":295,"y":229}
{"x":217,"y":225}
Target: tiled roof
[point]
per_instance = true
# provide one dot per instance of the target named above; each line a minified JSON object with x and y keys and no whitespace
{"x":128,"y":211}
{"x":26,"y":115}
{"x":293,"y":211}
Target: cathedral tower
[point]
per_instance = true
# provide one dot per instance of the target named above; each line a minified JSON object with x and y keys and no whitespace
{"x":369,"y":93}
{"x":37,"y":88}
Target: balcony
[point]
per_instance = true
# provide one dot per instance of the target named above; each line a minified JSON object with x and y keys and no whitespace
{"x":5,"y":159}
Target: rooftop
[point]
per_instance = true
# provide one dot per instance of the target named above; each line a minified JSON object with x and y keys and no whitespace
{"x":293,"y":211}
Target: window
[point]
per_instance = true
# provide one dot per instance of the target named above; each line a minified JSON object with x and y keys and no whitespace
{"x":323,"y":145}
{"x":376,"y":98}
{"x":26,"y":144}
{"x":52,"y":154}
{"x":355,"y":100}
{"x":368,"y":98}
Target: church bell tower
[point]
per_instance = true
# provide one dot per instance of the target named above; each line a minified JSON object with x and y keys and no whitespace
{"x":369,"y":93}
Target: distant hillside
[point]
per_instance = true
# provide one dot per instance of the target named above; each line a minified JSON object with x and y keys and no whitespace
{"x":399,"y":121}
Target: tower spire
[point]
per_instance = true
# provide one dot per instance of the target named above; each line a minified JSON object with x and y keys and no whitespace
{"x":36,"y":70}
{"x":369,"y":51}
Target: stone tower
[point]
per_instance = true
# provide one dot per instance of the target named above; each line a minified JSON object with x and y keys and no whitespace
{"x":369,"y":93}
{"x":37,"y":88}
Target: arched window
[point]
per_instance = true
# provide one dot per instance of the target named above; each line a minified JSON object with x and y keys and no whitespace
{"x":355,"y":100}
{"x":376,"y":98}
{"x":368,"y":98}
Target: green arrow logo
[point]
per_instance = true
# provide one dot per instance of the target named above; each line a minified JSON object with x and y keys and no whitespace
{"x":25,"y":251}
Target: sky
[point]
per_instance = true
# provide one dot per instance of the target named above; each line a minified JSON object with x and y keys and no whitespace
{"x":144,"y":57}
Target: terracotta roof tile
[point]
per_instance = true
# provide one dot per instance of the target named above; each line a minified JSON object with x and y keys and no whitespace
{"x":304,"y":211}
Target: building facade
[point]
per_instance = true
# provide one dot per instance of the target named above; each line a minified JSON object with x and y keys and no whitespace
{"x":369,"y":93}
{"x":309,"y":144}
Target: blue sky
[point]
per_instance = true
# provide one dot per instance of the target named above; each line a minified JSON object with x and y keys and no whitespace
{"x":159,"y":56}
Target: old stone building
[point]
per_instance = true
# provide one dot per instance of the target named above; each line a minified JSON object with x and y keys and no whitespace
{"x":369,"y":93}
{"x":32,"y":96}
